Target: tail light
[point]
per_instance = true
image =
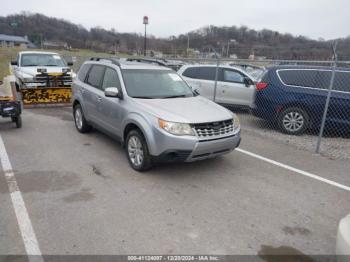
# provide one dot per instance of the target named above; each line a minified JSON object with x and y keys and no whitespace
{"x":261,"y":85}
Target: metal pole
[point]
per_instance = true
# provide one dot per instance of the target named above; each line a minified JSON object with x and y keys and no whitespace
{"x":228,"y":48}
{"x":41,"y":41}
{"x":145,"y":42}
{"x":188,"y":44}
{"x":216,"y":74}
{"x":328,"y":99}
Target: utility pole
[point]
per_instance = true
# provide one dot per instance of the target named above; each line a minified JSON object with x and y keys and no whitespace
{"x":188,"y":44}
{"x":41,"y":41}
{"x":145,"y":22}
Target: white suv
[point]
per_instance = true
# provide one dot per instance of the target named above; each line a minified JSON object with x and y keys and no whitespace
{"x":234,"y":87}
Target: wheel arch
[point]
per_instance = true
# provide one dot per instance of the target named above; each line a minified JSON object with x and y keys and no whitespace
{"x":139,"y":122}
{"x":300,"y":105}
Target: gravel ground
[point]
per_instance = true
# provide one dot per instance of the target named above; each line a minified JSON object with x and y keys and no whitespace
{"x":332,"y":146}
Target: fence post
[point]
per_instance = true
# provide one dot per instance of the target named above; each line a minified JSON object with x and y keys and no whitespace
{"x":216,"y":75}
{"x":324,"y":117}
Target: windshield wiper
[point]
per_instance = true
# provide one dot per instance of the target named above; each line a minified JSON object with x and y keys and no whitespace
{"x":144,"y":97}
{"x":177,"y":96}
{"x":50,"y":65}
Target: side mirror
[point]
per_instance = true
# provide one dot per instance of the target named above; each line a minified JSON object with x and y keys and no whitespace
{"x":14,"y":63}
{"x":248,"y":82}
{"x":112,"y":92}
{"x":194,"y":90}
{"x":70,"y":63}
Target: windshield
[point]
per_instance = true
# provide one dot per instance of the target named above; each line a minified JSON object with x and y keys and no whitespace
{"x":155,"y":84}
{"x":42,"y":60}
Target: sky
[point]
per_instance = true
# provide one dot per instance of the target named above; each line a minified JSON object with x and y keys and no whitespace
{"x":326,"y":19}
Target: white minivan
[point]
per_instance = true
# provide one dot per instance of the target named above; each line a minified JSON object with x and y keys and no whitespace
{"x":234,"y":86}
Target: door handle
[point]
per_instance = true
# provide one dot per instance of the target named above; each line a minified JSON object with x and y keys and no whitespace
{"x":99,"y":99}
{"x":82,"y":90}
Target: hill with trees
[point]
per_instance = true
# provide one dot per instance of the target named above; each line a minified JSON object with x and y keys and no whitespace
{"x":241,"y":41}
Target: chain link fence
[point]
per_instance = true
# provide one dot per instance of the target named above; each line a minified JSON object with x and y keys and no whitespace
{"x":305,"y":104}
{"x":302,"y":103}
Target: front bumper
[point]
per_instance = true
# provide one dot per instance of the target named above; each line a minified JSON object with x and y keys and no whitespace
{"x":187,"y":149}
{"x":213,"y":148}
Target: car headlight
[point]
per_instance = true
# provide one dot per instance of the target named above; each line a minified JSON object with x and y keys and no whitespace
{"x":27,"y":79}
{"x":236,"y":124}
{"x":179,"y":129}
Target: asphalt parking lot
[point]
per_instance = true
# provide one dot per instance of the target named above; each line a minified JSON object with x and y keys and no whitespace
{"x":82,"y":197}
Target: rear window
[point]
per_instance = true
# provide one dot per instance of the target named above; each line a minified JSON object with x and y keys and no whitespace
{"x":204,"y":73}
{"x":302,"y":78}
{"x":264,"y":77}
{"x":83,"y":71}
{"x":191,"y":72}
{"x":95,"y":76}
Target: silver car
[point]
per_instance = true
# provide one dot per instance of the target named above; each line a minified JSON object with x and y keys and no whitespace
{"x":234,"y":86}
{"x":152,"y":111}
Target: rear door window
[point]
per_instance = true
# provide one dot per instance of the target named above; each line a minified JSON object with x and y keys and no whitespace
{"x":342,"y":81}
{"x":207,"y":73}
{"x":95,"y":76}
{"x":323,"y":79}
{"x":302,"y":78}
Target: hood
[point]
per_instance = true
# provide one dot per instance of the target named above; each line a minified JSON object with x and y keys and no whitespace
{"x":32,"y":70}
{"x":190,"y":110}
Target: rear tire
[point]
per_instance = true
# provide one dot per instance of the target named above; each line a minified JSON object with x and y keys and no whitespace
{"x":79,"y":119}
{"x":137,"y":151}
{"x":293,"y":121}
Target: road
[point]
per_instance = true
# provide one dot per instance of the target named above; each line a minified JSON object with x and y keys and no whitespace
{"x":83,"y":198}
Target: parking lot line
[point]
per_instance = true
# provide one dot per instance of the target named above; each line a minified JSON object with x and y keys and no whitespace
{"x":28,"y":235}
{"x":296,"y":170}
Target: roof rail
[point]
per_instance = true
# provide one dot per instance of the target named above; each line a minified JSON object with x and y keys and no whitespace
{"x":145,"y":60}
{"x":111,"y":59}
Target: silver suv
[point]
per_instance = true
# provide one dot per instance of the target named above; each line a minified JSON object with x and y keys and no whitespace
{"x":152,"y":111}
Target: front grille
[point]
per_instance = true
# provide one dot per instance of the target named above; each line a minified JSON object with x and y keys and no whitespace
{"x":54,"y":81}
{"x":213,"y":129}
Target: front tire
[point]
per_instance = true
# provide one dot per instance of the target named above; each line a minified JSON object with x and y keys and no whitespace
{"x":293,"y":121}
{"x":137,"y":151}
{"x":79,"y":120}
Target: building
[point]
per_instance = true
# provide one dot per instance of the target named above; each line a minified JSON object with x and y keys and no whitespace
{"x":55,"y":45}
{"x":15,"y":41}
